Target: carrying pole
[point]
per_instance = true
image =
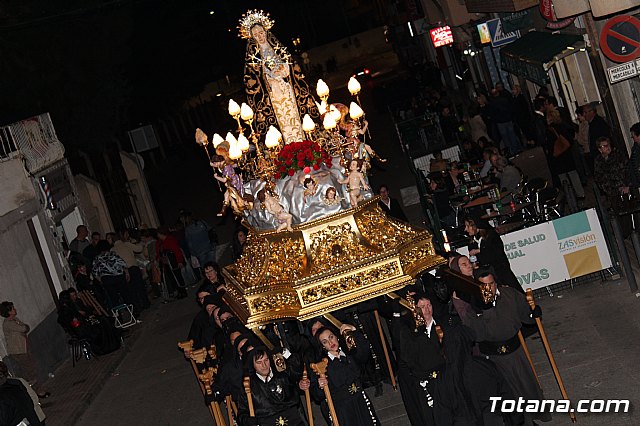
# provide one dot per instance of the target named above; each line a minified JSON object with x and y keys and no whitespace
{"x":383,"y":341}
{"x":320,"y":369}
{"x":547,"y":348}
{"x":528,"y":355}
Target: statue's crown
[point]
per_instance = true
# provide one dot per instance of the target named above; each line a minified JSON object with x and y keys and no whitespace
{"x":251,"y":18}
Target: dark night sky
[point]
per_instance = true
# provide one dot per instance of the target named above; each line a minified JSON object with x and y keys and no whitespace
{"x":100,"y":66}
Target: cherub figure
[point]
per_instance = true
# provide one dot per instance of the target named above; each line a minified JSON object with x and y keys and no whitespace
{"x":355,"y":179}
{"x":310,"y":188}
{"x":273,"y":206}
{"x":359,"y":149}
{"x":330,"y":197}
{"x":234,"y":193}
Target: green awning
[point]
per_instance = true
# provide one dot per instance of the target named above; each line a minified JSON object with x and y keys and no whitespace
{"x":533,"y":54}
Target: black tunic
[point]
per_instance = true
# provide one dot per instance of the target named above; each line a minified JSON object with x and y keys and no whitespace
{"x":362,"y":316}
{"x":394,"y":210}
{"x":275,"y":402}
{"x":421,"y":355}
{"x":501,"y":323}
{"x":204,"y":332}
{"x":352,"y":405}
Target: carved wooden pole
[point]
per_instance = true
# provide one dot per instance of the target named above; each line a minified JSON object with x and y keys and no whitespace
{"x":247,"y":390}
{"x":307,"y":398}
{"x":320,"y":369}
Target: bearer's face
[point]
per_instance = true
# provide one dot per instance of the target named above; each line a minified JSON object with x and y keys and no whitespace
{"x":425,"y":308}
{"x":329,"y":341}
{"x":489,"y":279}
{"x":211,"y":273}
{"x":466,"y":268}
{"x":262,"y":366}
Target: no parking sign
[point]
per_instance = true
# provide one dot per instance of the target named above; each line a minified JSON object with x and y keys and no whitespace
{"x":620,"y":38}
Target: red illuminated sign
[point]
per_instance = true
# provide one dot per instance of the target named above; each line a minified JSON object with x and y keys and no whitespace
{"x":441,"y":36}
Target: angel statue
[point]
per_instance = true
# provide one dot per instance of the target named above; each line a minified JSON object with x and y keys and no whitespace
{"x":273,"y":206}
{"x":358,"y":147}
{"x":234,"y":194}
{"x":355,"y":180}
{"x":274,"y":83}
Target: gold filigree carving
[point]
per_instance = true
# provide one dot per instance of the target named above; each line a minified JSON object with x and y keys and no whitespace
{"x":380,"y":231}
{"x":351,"y":282}
{"x":334,"y":246}
{"x":287,"y":259}
{"x":274,"y":302}
{"x":250,"y":266}
{"x":417,"y":254}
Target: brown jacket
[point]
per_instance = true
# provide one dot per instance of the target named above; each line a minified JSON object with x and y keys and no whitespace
{"x":15,"y":335}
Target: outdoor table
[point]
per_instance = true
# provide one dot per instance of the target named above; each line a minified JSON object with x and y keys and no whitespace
{"x":507,"y":210}
{"x":472,"y":193}
{"x":485,"y":200}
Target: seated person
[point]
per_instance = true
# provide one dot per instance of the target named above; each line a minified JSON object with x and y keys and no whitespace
{"x":82,"y":322}
{"x":486,"y":157}
{"x":439,"y":197}
{"x":508,"y":175}
{"x":84,"y":282}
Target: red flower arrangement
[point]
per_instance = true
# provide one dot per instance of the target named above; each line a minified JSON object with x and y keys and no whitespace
{"x":305,"y":155}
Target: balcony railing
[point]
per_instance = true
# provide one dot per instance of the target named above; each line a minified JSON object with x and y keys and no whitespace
{"x":34,"y":139}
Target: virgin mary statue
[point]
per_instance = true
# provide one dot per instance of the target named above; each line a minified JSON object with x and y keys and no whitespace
{"x":274,"y":83}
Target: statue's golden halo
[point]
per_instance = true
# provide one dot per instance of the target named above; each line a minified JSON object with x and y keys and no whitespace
{"x":251,"y":18}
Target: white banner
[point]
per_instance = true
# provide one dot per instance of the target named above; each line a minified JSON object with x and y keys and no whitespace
{"x":555,"y":251}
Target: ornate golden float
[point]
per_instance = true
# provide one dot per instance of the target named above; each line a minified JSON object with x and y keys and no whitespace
{"x":326,"y":264}
{"x":342,"y":249}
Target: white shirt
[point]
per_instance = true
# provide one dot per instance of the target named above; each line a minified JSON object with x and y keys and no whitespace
{"x":429,"y":327}
{"x":332,"y":356}
{"x":387,"y":203}
{"x":495,"y":298}
{"x":266,"y":379}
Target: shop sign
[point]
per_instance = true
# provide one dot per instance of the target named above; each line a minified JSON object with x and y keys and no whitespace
{"x":441,"y":36}
{"x":623,"y":72}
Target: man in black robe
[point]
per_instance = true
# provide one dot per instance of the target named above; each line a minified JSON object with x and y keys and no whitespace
{"x":204,"y":331}
{"x":419,"y":360}
{"x":496,"y":328}
{"x":275,"y":396}
{"x":391,"y":206}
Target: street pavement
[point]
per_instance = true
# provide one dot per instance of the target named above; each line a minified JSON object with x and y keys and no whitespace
{"x":593,"y":329}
